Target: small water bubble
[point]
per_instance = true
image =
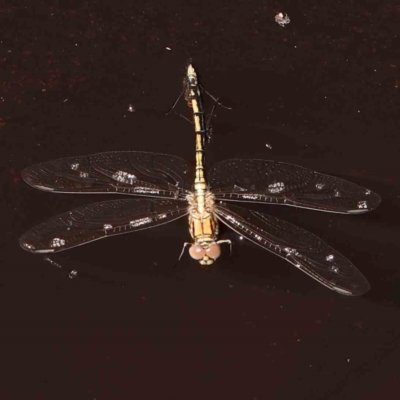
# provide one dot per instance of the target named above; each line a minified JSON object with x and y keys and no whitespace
{"x":131,"y":108}
{"x":124,"y":177}
{"x":291,"y":252}
{"x":276,"y":187}
{"x":362,"y":204}
{"x":28,"y":246}
{"x":57,"y":242}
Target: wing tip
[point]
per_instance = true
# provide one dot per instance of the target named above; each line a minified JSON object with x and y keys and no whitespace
{"x":32,"y":179}
{"x":26,"y":246}
{"x":359,"y":290}
{"x":370,"y":203}
{"x":31,"y":249}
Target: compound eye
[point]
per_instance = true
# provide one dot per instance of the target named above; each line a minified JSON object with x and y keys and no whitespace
{"x":214,"y":251}
{"x":197,"y":252}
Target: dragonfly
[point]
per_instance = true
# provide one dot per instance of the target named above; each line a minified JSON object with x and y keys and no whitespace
{"x":162,"y":188}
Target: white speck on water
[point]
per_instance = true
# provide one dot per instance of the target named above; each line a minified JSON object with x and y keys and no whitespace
{"x":52,"y":262}
{"x":73,"y":274}
{"x":282,"y":19}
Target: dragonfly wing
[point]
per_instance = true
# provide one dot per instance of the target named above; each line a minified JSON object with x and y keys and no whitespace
{"x":264,"y":181}
{"x":100,"y":220}
{"x":126,"y":172}
{"x":302,"y":249}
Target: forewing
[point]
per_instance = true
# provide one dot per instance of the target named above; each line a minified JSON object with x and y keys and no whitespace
{"x":264,"y":181}
{"x":126,"y":172}
{"x":302,"y":249}
{"x":100,"y":220}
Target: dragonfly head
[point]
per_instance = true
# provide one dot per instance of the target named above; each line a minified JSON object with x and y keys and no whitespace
{"x":205,"y":253}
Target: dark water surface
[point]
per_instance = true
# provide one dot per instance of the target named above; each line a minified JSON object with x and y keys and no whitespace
{"x":118,"y":319}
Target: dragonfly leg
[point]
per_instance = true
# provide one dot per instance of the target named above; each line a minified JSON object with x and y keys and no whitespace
{"x":186,"y":244}
{"x":215,"y":99}
{"x":173,"y":108}
{"x":209,"y":130}
{"x":226,"y":241}
{"x":176,"y":102}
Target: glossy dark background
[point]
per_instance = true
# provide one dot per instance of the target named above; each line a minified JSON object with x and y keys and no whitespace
{"x":132,"y":324}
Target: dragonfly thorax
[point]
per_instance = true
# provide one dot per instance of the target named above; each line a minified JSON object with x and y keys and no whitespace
{"x":201,"y":202}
